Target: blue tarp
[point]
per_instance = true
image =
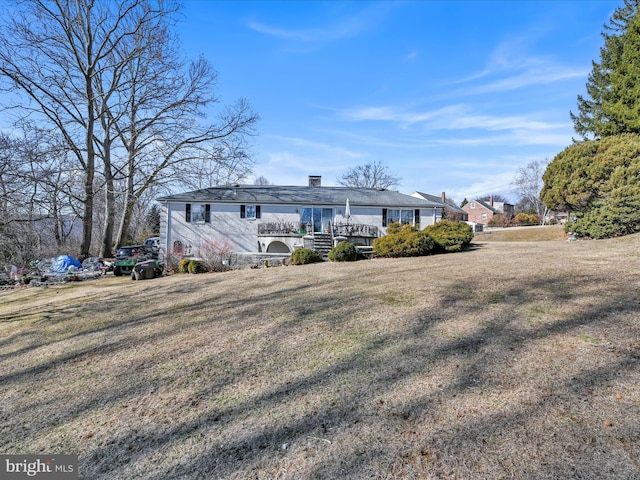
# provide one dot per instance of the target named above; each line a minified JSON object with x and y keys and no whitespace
{"x":62,"y":263}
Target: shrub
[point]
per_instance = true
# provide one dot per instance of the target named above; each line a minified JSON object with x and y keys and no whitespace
{"x":303,"y":256}
{"x":172,"y":262}
{"x":526,"y":219}
{"x":183,"y":266}
{"x":499,"y":220}
{"x":216,"y":255}
{"x":406,"y":243}
{"x":617,"y":217}
{"x":196,"y":266}
{"x":450,"y":236}
{"x":394,"y":227}
{"x":343,"y":252}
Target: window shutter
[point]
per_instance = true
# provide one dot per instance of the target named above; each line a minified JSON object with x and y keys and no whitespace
{"x":416,"y":217}
{"x":188,"y":213}
{"x":257,"y":211}
{"x":384,"y":217}
{"x":207,"y":213}
{"x":242,"y":211}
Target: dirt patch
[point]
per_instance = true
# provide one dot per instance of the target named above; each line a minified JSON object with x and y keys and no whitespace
{"x":511,"y":360}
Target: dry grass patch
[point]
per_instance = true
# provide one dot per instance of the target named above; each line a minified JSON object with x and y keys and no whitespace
{"x":511,"y":360}
{"x":534,"y":233}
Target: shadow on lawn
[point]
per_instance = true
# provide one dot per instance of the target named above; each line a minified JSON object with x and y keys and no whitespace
{"x":258,"y":452}
{"x":357,"y":389}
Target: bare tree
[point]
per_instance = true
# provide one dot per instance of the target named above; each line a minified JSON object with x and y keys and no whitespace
{"x":371,"y":175}
{"x":108,"y":77}
{"x":529,"y":183}
{"x":262,"y":180}
{"x":36,"y":214}
{"x":496,"y":197}
{"x":51,"y":52}
{"x":156,"y":120}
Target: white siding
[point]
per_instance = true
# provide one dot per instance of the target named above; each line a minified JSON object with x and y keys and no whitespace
{"x":242,"y":234}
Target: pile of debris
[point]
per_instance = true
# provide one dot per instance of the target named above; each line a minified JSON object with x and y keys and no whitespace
{"x":52,"y":271}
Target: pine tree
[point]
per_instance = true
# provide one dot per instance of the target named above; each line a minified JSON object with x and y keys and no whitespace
{"x":612,"y":105}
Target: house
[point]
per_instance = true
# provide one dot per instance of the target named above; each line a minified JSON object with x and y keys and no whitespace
{"x":482,"y":212}
{"x":556,"y":217}
{"x":451,"y":210}
{"x":278,"y":219}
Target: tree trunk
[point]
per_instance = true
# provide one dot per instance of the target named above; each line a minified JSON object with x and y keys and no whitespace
{"x":106,"y":247}
{"x":124,"y":234}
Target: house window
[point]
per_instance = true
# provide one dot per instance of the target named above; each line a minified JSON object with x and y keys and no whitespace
{"x":484,"y":216}
{"x":473,"y":204}
{"x":250,"y":211}
{"x":398,"y":215}
{"x":198,"y":213}
{"x":393,"y":215}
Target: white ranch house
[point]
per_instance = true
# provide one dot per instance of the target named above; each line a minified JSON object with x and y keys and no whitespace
{"x":274,"y":219}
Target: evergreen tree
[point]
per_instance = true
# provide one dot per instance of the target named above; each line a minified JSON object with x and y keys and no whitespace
{"x":599,"y":182}
{"x":613,"y":86}
{"x":153,"y":220}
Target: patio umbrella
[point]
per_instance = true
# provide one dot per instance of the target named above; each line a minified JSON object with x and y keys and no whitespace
{"x":347,"y":211}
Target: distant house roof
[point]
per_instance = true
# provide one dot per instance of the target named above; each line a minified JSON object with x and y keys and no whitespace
{"x":486,"y":205}
{"x":447,"y":204}
{"x":274,"y":194}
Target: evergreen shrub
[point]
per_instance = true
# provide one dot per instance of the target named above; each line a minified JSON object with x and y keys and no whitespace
{"x":450,"y":236}
{"x":303,"y":256}
{"x":196,"y":266}
{"x":343,"y":252}
{"x":407,"y":242}
{"x":183,"y":266}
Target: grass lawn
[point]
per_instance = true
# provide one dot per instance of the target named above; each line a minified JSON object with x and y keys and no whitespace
{"x":509,"y":360}
{"x":534,"y":233}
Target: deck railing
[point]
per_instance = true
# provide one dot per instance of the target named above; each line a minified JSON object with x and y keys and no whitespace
{"x":281,"y":228}
{"x":355,"y":230}
{"x":298,"y":228}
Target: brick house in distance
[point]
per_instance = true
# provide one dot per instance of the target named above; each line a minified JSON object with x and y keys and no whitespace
{"x":482,"y":212}
{"x":451,"y":210}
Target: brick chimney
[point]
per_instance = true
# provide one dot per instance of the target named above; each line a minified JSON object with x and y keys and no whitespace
{"x":315,"y":180}
{"x":444,"y":197}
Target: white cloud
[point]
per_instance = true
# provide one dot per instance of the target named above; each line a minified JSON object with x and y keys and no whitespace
{"x":411,"y":56}
{"x":539,"y":76}
{"x":393,"y":114}
{"x":486,"y":184}
{"x":347,"y":26}
{"x":290,"y":168}
{"x":510,"y":66}
{"x":525,"y":129}
{"x":319,"y":146}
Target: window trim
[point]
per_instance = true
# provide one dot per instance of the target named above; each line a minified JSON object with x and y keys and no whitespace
{"x":415,"y":216}
{"x":243,"y":212}
{"x":206,"y":217}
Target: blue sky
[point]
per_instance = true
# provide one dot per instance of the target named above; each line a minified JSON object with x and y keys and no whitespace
{"x":452,"y":96}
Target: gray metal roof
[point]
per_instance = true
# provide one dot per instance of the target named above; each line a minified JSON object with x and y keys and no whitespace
{"x":301,"y":195}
